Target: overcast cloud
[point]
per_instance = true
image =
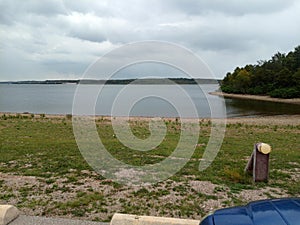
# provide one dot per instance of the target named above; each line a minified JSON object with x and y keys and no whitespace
{"x":58,"y":39}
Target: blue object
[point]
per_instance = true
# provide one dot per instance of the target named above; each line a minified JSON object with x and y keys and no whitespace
{"x":284,"y":211}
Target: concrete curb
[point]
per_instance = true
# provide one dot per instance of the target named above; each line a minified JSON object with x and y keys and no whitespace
{"x":8,"y":213}
{"x":125,"y":219}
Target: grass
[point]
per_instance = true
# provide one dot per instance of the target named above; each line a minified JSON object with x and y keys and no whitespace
{"x":61,"y":183}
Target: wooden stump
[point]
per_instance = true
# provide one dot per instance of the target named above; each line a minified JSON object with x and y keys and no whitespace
{"x":258,"y":164}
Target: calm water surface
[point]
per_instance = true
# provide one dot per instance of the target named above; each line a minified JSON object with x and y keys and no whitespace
{"x":58,"y":99}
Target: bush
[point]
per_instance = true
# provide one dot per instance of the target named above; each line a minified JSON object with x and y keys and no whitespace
{"x":292,"y":92}
{"x":229,"y":89}
{"x":258,"y":90}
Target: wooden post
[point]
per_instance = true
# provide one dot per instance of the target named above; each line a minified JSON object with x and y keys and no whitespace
{"x":258,"y":164}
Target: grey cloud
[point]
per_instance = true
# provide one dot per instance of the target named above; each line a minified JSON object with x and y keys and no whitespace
{"x":101,"y":8}
{"x":14,"y":11}
{"x":7,"y":14}
{"x":45,"y":7}
{"x":232,"y":7}
{"x":88,"y":33}
{"x":62,"y":36}
{"x":65,"y":67}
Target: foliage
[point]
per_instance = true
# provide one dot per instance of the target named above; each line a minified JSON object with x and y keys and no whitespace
{"x":278,"y":77}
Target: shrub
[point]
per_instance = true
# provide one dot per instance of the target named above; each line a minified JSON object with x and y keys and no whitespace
{"x":292,"y":92}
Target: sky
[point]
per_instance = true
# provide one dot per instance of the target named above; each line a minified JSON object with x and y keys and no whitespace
{"x":59,"y":39}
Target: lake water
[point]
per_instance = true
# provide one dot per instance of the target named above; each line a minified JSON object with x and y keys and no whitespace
{"x":151,"y":100}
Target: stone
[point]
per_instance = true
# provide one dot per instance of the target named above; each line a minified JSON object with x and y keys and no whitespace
{"x":126,"y":219}
{"x":8,"y":213}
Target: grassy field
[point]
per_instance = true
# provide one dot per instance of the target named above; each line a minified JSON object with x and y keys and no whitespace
{"x":43,"y":173}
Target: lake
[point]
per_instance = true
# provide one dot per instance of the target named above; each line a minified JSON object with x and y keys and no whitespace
{"x":151,"y":100}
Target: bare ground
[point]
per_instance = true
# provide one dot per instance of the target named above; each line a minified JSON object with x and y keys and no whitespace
{"x":259,"y":120}
{"x":39,"y":197}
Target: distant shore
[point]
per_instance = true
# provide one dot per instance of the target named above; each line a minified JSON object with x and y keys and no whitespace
{"x":145,"y":81}
{"x":258,"y":97}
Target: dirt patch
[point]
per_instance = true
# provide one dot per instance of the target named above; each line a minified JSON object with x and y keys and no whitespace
{"x":294,"y":173}
{"x":18,"y":181}
{"x":205,"y":187}
{"x":260,"y":194}
{"x":293,"y":120}
{"x":88,"y":197}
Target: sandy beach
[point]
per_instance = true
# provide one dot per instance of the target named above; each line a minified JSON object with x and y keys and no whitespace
{"x":259,"y":120}
{"x":258,"y":97}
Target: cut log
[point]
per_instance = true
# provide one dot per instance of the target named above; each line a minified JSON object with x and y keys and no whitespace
{"x":258,"y":164}
{"x":264,"y":148}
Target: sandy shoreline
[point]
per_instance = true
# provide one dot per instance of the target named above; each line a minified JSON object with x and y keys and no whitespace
{"x":259,"y":120}
{"x":258,"y":97}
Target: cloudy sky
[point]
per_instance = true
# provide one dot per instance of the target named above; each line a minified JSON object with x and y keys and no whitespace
{"x":59,"y":39}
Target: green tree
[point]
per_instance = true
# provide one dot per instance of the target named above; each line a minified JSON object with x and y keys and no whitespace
{"x":242,"y":81}
{"x":278,"y":77}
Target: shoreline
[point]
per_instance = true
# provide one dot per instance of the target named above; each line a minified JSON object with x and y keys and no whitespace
{"x":258,"y":98}
{"x":258,"y":120}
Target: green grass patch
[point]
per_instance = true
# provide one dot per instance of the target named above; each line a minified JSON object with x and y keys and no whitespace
{"x":46,"y":148}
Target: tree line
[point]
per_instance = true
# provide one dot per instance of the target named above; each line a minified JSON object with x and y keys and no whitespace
{"x":278,"y":77}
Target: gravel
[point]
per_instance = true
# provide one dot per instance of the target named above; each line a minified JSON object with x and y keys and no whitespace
{"x":36,"y":220}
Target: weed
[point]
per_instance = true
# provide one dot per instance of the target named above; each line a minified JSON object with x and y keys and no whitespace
{"x":233,"y":175}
